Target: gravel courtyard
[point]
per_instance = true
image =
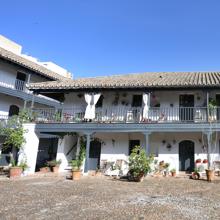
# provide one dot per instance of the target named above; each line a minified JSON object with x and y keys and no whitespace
{"x":105,"y":198}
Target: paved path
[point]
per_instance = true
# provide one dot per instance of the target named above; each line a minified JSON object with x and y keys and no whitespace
{"x":105,"y":198}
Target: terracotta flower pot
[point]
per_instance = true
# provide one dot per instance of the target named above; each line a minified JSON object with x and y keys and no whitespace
{"x":173,"y":174}
{"x":44,"y":169}
{"x":55,"y":169}
{"x":210,"y":175}
{"x":15,"y":171}
{"x":76,"y":174}
{"x":139,"y":178}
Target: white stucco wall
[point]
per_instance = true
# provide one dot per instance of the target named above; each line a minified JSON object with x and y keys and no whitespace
{"x":165,"y":98}
{"x":64,"y":145}
{"x":30,"y":148}
{"x":6,"y":101}
{"x":7,"y":75}
{"x":118,"y":149}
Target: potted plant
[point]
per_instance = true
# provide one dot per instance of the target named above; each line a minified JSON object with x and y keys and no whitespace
{"x":14,"y":133}
{"x":54,"y":165}
{"x":166,"y":169}
{"x":205,"y":161}
{"x":139,"y":164}
{"x":199,"y":161}
{"x":45,"y":169}
{"x":98,"y":171}
{"x":195,"y":174}
{"x":78,"y":162}
{"x":173,"y":172}
{"x":16,"y":169}
{"x":76,"y":168}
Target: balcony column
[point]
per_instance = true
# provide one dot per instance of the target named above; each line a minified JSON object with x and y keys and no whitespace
{"x":28,"y":81}
{"x":207,"y":105}
{"x":32,"y":101}
{"x":147,"y":142}
{"x":209,"y":146}
{"x":88,"y":139}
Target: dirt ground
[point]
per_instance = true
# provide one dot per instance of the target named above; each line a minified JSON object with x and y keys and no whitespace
{"x":106,"y":198}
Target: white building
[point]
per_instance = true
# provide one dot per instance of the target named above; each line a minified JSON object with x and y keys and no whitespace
{"x":17,"y":70}
{"x":169,"y":114}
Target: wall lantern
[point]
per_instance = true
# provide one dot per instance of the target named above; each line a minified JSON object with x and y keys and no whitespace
{"x":169,"y":147}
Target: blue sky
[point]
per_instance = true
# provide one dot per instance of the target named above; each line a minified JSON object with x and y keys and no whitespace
{"x":103,"y":37}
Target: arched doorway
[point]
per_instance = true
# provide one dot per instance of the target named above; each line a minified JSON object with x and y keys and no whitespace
{"x":94,"y":154}
{"x":13,"y":110}
{"x":186,"y":155}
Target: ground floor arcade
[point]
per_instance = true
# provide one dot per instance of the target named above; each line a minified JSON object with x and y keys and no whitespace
{"x":180,"y":149}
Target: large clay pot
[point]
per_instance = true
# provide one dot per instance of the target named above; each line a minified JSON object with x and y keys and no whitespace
{"x":15,"y":171}
{"x":44,"y":169}
{"x":76,"y":174}
{"x":210,"y":175}
{"x":173,"y":174}
{"x":55,"y":169}
{"x":139,"y":178}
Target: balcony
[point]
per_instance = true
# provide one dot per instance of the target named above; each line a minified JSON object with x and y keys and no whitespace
{"x":129,"y":115}
{"x":19,"y":90}
{"x":20,"y":85}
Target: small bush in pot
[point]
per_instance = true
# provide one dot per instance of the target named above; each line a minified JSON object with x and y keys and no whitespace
{"x":54,"y":165}
{"x":14,"y":139}
{"x":45,"y":169}
{"x":166,"y":169}
{"x":17,"y":169}
{"x":78,"y":161}
{"x":173,"y":172}
{"x":76,"y":168}
{"x":139,"y":164}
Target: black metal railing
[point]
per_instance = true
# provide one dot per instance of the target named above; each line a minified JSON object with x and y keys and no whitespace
{"x":128,"y":115}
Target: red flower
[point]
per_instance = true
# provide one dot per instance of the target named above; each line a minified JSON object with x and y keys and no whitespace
{"x":198,"y":161}
{"x":205,"y":161}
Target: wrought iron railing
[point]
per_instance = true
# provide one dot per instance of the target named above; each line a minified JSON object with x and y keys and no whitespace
{"x":128,"y":115}
{"x":20,"y":85}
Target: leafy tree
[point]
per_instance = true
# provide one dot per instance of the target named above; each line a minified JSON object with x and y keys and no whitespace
{"x":14,"y":134}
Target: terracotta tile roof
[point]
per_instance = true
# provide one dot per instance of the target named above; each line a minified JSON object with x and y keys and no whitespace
{"x":17,"y":59}
{"x":139,"y":80}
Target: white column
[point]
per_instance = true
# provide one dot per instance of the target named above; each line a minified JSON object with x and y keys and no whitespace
{"x":147,"y":142}
{"x":209,"y":147}
{"x":88,"y":136}
{"x":30,"y":148}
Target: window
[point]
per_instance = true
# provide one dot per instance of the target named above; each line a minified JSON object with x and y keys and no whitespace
{"x":21,"y":76}
{"x":132,"y":144}
{"x":20,"y":81}
{"x":100,"y":102}
{"x":13,"y":110}
{"x":137,"y":101}
{"x":95,"y":149}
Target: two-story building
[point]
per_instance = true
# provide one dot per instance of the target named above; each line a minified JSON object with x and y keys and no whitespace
{"x":173,"y":115}
{"x":17,"y":70}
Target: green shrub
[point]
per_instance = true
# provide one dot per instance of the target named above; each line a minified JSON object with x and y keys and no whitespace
{"x":139,"y":162}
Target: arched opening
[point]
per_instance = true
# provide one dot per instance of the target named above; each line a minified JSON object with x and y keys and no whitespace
{"x":94,"y":154}
{"x":13,"y":110}
{"x":186,"y":155}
